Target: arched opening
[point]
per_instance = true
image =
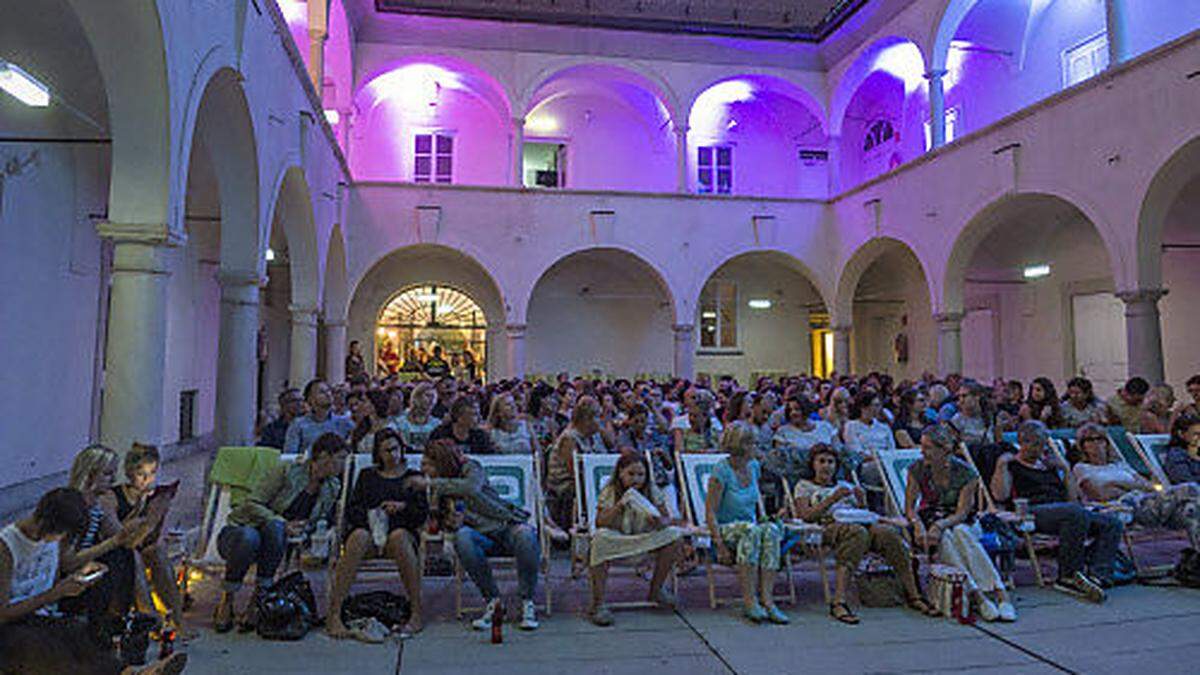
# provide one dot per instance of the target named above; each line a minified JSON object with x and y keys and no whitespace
{"x":431,"y":119}
{"x":599,"y":127}
{"x":1032,"y":277}
{"x":771,"y":132}
{"x":760,"y":314}
{"x":883,"y":103}
{"x":1169,"y":257}
{"x":887,"y":294}
{"x":600,"y":310}
{"x":337,"y":90}
{"x":54,"y":267}
{"x":419,"y":319}
{"x":423,"y":295}
{"x":1002,"y":55}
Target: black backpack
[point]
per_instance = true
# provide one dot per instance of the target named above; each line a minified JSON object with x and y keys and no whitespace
{"x":287,"y":610}
{"x":1187,"y":570}
{"x":390,"y":609}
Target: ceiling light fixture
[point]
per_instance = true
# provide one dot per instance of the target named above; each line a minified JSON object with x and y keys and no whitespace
{"x":1037,"y":271}
{"x":270,"y":255}
{"x":23,"y":86}
{"x":760,"y":304}
{"x":333,"y":117}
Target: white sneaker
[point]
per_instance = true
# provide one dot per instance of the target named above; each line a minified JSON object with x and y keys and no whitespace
{"x":485,"y":622}
{"x":1008,"y":613}
{"x":987,"y":610}
{"x":529,"y":616}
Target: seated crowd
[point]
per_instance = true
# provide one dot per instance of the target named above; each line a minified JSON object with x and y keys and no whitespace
{"x":795,"y":449}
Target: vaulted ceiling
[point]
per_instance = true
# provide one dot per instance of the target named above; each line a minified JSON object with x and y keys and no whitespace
{"x":810,"y":20}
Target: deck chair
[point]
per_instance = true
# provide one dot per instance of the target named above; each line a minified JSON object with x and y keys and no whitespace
{"x":696,"y":468}
{"x":354,"y":467}
{"x":1125,"y":444}
{"x":515,"y":477}
{"x":592,"y":472}
{"x":811,"y":539}
{"x":1151,"y":449}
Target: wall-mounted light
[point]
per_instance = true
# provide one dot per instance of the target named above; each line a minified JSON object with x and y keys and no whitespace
{"x":332,"y":116}
{"x":270,"y":255}
{"x":1036,"y":271}
{"x":541,"y":124}
{"x":23,"y":86}
{"x":708,"y":315}
{"x":760,"y":303}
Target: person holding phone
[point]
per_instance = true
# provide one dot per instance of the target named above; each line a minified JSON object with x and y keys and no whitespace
{"x":138,"y":498}
{"x":31,"y":559}
{"x":288,"y":501}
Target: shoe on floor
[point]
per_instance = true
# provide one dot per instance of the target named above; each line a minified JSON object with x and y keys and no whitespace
{"x":988,"y":610}
{"x":1078,"y":584}
{"x":1008,"y":613}
{"x":485,"y":622}
{"x":776,"y":616}
{"x":529,"y":616}
{"x":601,"y":616}
{"x":756,"y":613}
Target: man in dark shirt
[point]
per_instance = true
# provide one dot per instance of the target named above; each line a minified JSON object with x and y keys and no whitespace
{"x":462,"y":428}
{"x":447,"y":391}
{"x":436,"y":366}
{"x":291,"y":406}
{"x":1039,"y":476}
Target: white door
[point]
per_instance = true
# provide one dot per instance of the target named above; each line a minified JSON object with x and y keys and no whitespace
{"x":979,"y":345}
{"x":1100,"y":352}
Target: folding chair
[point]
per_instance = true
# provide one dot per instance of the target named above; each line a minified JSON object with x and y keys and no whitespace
{"x":1025,"y":527}
{"x":515,"y":478}
{"x":811,"y":538}
{"x":1151,"y":449}
{"x":697,"y":467}
{"x":592,"y":472}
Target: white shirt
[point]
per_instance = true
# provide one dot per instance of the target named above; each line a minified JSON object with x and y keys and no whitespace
{"x":862,"y":439}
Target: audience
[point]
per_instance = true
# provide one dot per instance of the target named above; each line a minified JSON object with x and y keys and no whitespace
{"x":738,"y":536}
{"x":1182,"y":461}
{"x":1038,"y":476}
{"x":484,"y":525}
{"x":291,"y":406}
{"x":510,"y":433}
{"x":581,"y":435}
{"x":631,"y":527}
{"x":462,"y":429}
{"x":1081,"y":405}
{"x":320,"y":420}
{"x":417,"y":423}
{"x":1043,"y":404}
{"x":289,"y":501}
{"x":385,"y":513}
{"x":1125,"y":407}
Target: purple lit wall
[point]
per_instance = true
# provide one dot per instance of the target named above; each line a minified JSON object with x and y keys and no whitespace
{"x":295,"y":12}
{"x":767,"y":122}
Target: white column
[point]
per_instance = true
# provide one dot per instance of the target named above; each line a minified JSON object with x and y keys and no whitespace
{"x":237,"y":357}
{"x":949,"y":342}
{"x":685,"y":350}
{"x":335,"y":350}
{"x":304,"y":346}
{"x":514,"y":334}
{"x":841,"y":349}
{"x":1116,"y":15}
{"x":681,"y":156}
{"x":135,"y":356}
{"x":834,"y":165}
{"x":937,"y":108}
{"x":1143,"y":331}
{"x":518,"y":151}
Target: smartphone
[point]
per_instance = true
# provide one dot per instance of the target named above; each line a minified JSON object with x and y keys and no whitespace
{"x":92,"y":576}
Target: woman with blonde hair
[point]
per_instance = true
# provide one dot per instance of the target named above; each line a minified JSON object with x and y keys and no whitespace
{"x":510,"y":432}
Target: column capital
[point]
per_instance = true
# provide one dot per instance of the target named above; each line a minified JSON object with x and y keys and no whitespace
{"x":515,"y":331}
{"x":681,"y":129}
{"x":1142,"y":295}
{"x":237,"y":278}
{"x":948,"y":320}
{"x":149,"y":234}
{"x":334,"y":323}
{"x":305,"y":316}
{"x":684,"y":329}
{"x":935,"y":74}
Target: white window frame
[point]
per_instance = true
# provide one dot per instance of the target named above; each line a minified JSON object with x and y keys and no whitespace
{"x":715,"y":169}
{"x":718,"y":322}
{"x":953,"y":120}
{"x":434,"y":176}
{"x":1094,"y":49}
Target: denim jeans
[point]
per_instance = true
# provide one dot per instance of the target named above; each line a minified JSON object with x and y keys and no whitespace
{"x":242,"y":546}
{"x":1072,"y":524}
{"x":518,"y":540}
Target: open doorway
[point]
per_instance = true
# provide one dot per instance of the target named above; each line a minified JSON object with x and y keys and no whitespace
{"x":545,"y":164}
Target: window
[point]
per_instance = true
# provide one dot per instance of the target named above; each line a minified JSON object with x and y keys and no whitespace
{"x":1085,"y":61}
{"x":715,"y":165}
{"x":433,"y":158}
{"x":718,"y":315}
{"x":544,"y":164}
{"x":951,"y":128}
{"x":878,"y":133}
{"x":187,"y":414}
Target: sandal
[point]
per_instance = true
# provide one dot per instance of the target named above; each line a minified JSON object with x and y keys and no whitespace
{"x":841,"y":611}
{"x":921,"y":605}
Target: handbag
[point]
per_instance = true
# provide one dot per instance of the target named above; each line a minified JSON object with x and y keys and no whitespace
{"x":390,"y":609}
{"x":288,"y":609}
{"x":879,"y":588}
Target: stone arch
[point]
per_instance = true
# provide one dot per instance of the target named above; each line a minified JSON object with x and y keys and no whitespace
{"x":627,"y":72}
{"x":771,"y":83}
{"x":858,"y":263}
{"x":335,"y":296}
{"x":292,"y":211}
{"x":943,"y":30}
{"x":1164,"y":187}
{"x":718,"y":261}
{"x":459,"y":71}
{"x":889,"y":54}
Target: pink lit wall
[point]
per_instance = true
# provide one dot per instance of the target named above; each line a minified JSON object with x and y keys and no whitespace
{"x":612,"y":142}
{"x":295,"y":12}
{"x":767,"y":131}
